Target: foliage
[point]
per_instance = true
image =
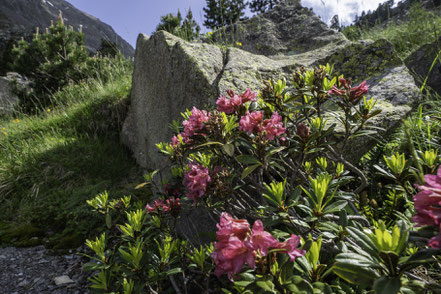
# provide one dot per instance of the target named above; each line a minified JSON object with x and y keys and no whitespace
{"x":108,"y":49}
{"x":51,"y":61}
{"x":52,"y":162}
{"x":406,"y":36}
{"x":261,"y":6}
{"x":277,"y":160}
{"x":187,"y":30}
{"x":219,"y":13}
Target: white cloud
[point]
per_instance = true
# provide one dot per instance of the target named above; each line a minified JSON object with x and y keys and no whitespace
{"x":346,"y":9}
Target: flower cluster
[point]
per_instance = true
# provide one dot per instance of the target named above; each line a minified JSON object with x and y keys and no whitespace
{"x":428,"y":205}
{"x":172,"y":206}
{"x":229,"y":105}
{"x":253,"y":123}
{"x":237,"y":245}
{"x":192,"y":126}
{"x":196,"y":180}
{"x":354,"y":93}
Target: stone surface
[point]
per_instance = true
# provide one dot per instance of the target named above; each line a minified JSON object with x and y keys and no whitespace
{"x":35,"y":270}
{"x":63,"y":280}
{"x":20,"y":17}
{"x":7,"y":99}
{"x":172,"y":75}
{"x":287,"y":29}
{"x":420,"y":62}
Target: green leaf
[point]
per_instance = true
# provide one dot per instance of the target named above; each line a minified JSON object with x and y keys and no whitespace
{"x":387,"y":285}
{"x":249,"y":170}
{"x":336,"y":206}
{"x":108,"y":221}
{"x":363,"y":241}
{"x":247,"y":159}
{"x":355,"y":274}
{"x":266,"y":284}
{"x":174,"y":271}
{"x":229,"y":149}
{"x":274,"y":151}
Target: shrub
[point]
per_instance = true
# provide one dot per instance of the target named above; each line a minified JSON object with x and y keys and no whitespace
{"x":274,"y":159}
{"x":51,"y":61}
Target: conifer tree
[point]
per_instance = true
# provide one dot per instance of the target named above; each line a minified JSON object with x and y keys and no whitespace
{"x":219,"y":13}
{"x":51,"y":61}
{"x":188,"y":29}
{"x":261,"y":6}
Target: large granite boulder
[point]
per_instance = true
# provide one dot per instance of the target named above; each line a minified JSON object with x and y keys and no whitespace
{"x":420,"y":62}
{"x":171,"y":75}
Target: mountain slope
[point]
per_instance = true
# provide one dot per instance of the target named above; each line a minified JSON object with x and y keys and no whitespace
{"x":18,"y":17}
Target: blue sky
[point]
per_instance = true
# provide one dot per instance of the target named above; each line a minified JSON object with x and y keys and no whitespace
{"x":131,"y":17}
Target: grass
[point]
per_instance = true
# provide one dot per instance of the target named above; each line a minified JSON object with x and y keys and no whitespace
{"x":422,"y":27}
{"x":52,"y":163}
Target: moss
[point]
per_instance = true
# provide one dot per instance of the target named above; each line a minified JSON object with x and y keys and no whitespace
{"x":361,"y":61}
{"x":68,"y":241}
{"x":21,"y":235}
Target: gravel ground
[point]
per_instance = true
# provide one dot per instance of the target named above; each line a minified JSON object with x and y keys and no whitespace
{"x":34,"y":270}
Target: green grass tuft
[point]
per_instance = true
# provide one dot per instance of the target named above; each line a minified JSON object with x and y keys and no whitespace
{"x":52,"y":163}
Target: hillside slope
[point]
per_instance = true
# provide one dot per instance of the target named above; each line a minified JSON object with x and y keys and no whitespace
{"x":23,"y":16}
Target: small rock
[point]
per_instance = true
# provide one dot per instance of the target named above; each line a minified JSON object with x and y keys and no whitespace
{"x":62,"y":280}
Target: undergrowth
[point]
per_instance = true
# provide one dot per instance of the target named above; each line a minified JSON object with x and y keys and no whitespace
{"x":51,"y":163}
{"x":422,"y":27}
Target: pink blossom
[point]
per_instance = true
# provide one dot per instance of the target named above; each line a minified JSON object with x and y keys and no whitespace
{"x":236,"y":245}
{"x":229,"y":105}
{"x":250,"y":122}
{"x":229,"y":226}
{"x":231,"y":256}
{"x":273,"y":127}
{"x":262,"y":240}
{"x":353,"y":93}
{"x":428,"y":205}
{"x":195,"y":122}
{"x":224,"y":105}
{"x":158,"y":206}
{"x":290,"y":246}
{"x":248,"y":96}
{"x":358,"y":92}
{"x":196,"y":181}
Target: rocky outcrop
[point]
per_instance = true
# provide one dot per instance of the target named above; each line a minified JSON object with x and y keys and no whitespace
{"x":420,"y":64}
{"x":172,"y":75}
{"x":21,"y":17}
{"x":287,"y":29}
{"x":7,"y":99}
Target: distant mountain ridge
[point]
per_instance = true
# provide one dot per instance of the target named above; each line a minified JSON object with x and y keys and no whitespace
{"x":21,"y":17}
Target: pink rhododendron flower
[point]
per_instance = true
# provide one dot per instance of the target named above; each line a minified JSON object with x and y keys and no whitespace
{"x":253,"y":123}
{"x":229,"y":105}
{"x":229,"y":226}
{"x":224,"y":105}
{"x":158,"y":206}
{"x":428,"y":205}
{"x":353,"y":93}
{"x":273,"y":126}
{"x":290,"y":246}
{"x":196,"y":181}
{"x":195,"y":122}
{"x":359,"y":91}
{"x":262,"y":240}
{"x":236,"y":245}
{"x":231,"y":256}
{"x":250,"y":121}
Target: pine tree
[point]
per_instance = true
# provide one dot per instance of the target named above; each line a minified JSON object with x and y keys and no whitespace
{"x":51,"y":61}
{"x":219,"y":13}
{"x":188,"y":29}
{"x":261,"y":6}
{"x":335,"y":23}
